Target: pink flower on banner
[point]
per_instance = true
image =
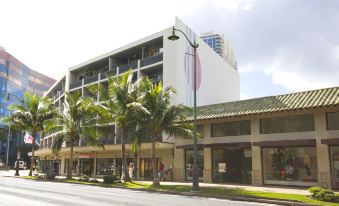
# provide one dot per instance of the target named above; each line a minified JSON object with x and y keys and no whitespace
{"x":28,"y":139}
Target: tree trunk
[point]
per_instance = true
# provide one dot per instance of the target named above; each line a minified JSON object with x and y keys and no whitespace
{"x":70,"y":163}
{"x":32,"y":158}
{"x":156,"y":179}
{"x":125,"y":174}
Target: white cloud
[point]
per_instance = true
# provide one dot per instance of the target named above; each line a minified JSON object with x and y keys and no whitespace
{"x":298,"y":51}
{"x":337,"y":51}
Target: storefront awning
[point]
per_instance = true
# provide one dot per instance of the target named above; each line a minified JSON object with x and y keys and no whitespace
{"x":229,"y":145}
{"x":286,"y":143}
{"x":189,"y":146}
{"x":330,"y":141}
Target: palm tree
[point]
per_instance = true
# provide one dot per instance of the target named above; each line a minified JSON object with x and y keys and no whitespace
{"x":32,"y":115}
{"x":75,"y":121}
{"x":162,"y":117}
{"x":121,"y":107}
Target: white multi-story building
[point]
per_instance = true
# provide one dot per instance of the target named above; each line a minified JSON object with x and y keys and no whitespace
{"x":161,"y":60}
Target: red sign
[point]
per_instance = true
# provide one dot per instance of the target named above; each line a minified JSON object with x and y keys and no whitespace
{"x":86,"y":155}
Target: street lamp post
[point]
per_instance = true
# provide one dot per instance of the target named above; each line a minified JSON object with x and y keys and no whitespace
{"x":7,"y":151}
{"x":194,"y":45}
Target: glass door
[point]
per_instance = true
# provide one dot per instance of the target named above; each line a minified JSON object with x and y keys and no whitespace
{"x":334,"y":151}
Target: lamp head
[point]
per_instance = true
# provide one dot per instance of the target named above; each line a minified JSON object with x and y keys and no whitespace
{"x":173,"y":37}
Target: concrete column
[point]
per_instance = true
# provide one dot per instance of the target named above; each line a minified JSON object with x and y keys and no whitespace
{"x":179,"y":165}
{"x":62,"y":166}
{"x":110,"y":65}
{"x":324,"y":169}
{"x":257,"y":178}
{"x":138,"y":165}
{"x":98,"y":93}
{"x":142,"y":52}
{"x":67,"y":81}
{"x":138,"y":69}
{"x":95,"y":165}
{"x":207,"y":165}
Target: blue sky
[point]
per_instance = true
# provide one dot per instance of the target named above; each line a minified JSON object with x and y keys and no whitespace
{"x":281,"y":45}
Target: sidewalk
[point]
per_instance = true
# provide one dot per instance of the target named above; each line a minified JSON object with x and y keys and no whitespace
{"x":6,"y":173}
{"x":276,"y":189}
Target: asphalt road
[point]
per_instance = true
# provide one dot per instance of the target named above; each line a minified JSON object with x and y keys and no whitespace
{"x":15,"y":191}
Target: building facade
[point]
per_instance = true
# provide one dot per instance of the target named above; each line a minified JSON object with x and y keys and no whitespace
{"x":289,"y":140}
{"x":15,"y":79}
{"x":161,"y":60}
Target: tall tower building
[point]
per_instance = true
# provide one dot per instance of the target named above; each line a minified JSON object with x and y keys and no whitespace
{"x":15,"y":79}
{"x":220,"y":45}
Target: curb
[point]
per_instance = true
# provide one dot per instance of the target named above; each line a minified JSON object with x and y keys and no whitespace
{"x":189,"y":194}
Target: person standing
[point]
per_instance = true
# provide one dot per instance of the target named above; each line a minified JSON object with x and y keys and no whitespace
{"x":161,"y":171}
{"x":56,"y":167}
{"x":131,"y":169}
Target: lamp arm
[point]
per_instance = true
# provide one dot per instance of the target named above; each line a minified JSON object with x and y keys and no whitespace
{"x":194,"y":45}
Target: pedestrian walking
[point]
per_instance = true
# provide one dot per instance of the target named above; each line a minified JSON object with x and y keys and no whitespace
{"x":131,"y":169}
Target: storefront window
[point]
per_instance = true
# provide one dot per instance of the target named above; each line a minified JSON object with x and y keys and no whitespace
{"x":74,"y":169}
{"x":333,"y":120}
{"x":104,"y":166}
{"x":86,"y":167}
{"x":146,"y":168}
{"x":232,"y":165}
{"x":48,"y":165}
{"x":231,"y":128}
{"x":189,"y":160}
{"x":334,"y":151}
{"x":301,"y":123}
{"x":294,"y":166}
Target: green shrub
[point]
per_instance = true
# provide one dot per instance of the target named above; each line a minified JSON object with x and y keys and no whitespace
{"x":94,"y":181}
{"x":314,"y":190}
{"x":322,"y":194}
{"x":84,"y":178}
{"x":109,"y":179}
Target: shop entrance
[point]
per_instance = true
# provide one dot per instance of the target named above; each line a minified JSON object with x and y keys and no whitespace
{"x":86,"y":167}
{"x":334,"y":151}
{"x":232,"y":165}
{"x":146,"y":171}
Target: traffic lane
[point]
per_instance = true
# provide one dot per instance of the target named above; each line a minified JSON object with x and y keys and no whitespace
{"x":49,"y":193}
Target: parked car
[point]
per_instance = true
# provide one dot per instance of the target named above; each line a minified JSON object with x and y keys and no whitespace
{"x":22,"y":165}
{"x":2,"y":165}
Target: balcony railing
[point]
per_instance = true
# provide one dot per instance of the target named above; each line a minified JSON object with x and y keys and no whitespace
{"x":91,"y":79}
{"x":104,"y":75}
{"x":126,"y":67}
{"x":73,"y":85}
{"x":151,"y":60}
{"x":55,"y":97}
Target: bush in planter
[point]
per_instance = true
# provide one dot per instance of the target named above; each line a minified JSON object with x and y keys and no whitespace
{"x":50,"y":175}
{"x":94,"y":181}
{"x":109,"y":179}
{"x":322,"y":194}
{"x":84,"y":178}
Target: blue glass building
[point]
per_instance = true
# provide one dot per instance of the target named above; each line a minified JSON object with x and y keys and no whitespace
{"x":15,"y":79}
